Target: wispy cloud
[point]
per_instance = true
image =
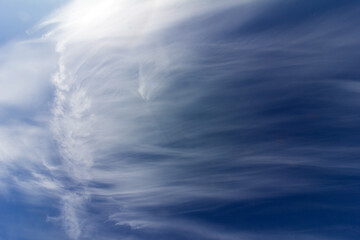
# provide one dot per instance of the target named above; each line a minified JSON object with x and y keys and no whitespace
{"x":144,"y":113}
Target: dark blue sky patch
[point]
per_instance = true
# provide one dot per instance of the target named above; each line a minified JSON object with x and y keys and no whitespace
{"x":282,"y":15}
{"x":21,"y":220}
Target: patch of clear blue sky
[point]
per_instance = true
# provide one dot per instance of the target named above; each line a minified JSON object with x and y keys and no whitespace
{"x":17,"y":16}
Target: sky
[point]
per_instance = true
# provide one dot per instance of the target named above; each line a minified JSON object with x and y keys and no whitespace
{"x":179,"y":120}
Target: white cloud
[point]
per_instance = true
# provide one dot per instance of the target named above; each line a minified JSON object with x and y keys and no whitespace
{"x":25,"y":95}
{"x":115,"y":111}
{"x":114,"y":60}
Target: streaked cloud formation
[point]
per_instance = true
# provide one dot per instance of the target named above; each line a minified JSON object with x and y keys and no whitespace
{"x":178,"y":119}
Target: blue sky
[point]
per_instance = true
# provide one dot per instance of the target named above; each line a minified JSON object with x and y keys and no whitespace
{"x":199,"y":120}
{"x":19,"y":16}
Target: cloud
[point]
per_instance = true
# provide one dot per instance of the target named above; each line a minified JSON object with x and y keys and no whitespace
{"x":25,"y":69}
{"x":162,"y":109}
{"x":141,"y":107}
{"x":113,"y":70}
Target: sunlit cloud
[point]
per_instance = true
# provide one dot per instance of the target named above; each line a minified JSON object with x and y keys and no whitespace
{"x":136,"y":114}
